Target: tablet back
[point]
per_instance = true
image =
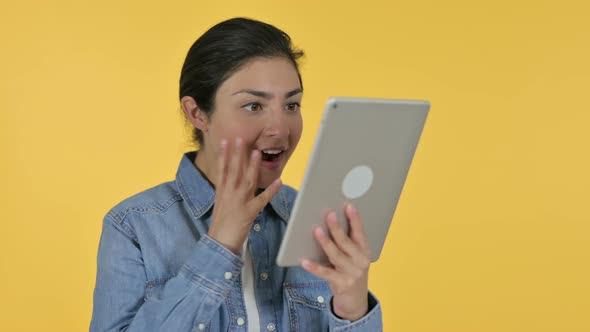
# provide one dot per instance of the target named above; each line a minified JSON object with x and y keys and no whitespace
{"x":362,"y":155}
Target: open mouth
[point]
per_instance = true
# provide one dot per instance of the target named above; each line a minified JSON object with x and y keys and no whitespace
{"x":271,"y":155}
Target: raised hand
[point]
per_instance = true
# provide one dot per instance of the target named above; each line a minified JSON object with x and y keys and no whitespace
{"x":236,"y":202}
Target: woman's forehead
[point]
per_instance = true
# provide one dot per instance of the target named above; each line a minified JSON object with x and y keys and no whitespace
{"x":274,"y":77}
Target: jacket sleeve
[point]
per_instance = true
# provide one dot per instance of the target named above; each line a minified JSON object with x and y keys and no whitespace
{"x":371,"y":322}
{"x":188,"y":300}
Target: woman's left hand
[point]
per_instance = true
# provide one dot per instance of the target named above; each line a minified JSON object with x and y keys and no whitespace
{"x":350,"y":256}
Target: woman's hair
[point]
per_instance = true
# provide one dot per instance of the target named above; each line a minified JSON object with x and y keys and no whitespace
{"x":222,"y":50}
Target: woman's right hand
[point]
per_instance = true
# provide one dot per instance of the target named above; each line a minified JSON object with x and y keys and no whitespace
{"x":236,"y":202}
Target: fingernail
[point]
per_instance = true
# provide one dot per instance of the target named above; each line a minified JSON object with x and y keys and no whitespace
{"x":320,"y":232}
{"x":306,"y":264}
{"x":223,"y":143}
{"x":331,"y":218}
{"x":351,"y":209}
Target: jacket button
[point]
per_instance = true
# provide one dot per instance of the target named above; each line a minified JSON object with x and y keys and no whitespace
{"x":321,"y":299}
{"x":271,"y":327}
{"x":201,"y":327}
{"x":240,"y":321}
{"x":228,"y":275}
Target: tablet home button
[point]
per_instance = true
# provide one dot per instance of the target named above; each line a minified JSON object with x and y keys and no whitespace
{"x":357,"y":182}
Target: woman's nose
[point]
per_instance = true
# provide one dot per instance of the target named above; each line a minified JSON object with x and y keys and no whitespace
{"x":276,"y":123}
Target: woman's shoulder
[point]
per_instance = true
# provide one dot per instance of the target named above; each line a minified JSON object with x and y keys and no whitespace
{"x":153,"y":200}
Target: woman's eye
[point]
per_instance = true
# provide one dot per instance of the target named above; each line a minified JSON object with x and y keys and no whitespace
{"x":293,"y":107}
{"x":253,"y":107}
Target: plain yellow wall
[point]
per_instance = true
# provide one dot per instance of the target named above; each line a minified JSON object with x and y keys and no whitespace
{"x":491,"y":233}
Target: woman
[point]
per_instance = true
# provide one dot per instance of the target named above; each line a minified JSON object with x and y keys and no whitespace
{"x":198,"y":253}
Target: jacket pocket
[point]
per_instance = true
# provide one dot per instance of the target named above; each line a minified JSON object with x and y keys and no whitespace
{"x":308,"y":305}
{"x":154,"y":290}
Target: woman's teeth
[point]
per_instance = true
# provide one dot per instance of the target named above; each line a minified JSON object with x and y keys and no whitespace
{"x":271,"y":155}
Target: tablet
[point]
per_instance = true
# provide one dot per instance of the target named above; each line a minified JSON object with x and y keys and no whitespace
{"x":361,"y":155}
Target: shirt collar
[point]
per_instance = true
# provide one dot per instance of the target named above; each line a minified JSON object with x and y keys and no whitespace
{"x":200,"y":195}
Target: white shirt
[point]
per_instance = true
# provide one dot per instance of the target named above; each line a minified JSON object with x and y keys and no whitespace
{"x":248,"y":290}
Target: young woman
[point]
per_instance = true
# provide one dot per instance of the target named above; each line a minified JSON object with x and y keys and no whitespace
{"x":198,"y":253}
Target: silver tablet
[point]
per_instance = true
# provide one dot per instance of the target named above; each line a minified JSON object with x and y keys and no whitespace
{"x":361,"y":155}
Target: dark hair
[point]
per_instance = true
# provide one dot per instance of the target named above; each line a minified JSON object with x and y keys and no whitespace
{"x":222,"y":50}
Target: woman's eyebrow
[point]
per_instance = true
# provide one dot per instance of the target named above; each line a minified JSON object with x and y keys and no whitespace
{"x":293,"y":92}
{"x":267,"y":95}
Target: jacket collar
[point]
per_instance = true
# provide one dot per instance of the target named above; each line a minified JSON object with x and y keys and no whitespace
{"x":200,"y":195}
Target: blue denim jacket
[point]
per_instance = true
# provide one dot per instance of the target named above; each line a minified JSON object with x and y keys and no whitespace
{"x":159,"y":271}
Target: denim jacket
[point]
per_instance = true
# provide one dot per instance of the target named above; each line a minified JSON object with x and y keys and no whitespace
{"x":159,"y":271}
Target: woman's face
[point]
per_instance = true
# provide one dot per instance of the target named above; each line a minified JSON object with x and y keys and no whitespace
{"x":260,"y":103}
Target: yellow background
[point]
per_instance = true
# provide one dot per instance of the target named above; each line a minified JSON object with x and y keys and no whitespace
{"x":492,"y":231}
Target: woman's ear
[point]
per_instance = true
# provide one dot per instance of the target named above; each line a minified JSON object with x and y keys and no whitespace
{"x":194,"y":114}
